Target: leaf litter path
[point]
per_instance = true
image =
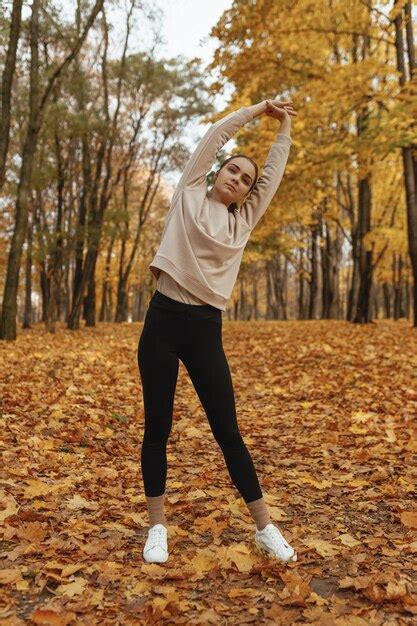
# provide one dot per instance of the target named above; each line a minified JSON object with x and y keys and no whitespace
{"x":327,"y":410}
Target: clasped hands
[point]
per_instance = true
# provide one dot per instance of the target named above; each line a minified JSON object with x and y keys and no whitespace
{"x":280,"y":109}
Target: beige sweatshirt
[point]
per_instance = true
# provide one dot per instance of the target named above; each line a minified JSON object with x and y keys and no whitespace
{"x":169,"y":287}
{"x":202,"y":243}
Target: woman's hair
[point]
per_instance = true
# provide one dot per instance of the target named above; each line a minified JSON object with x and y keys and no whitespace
{"x":234,"y":205}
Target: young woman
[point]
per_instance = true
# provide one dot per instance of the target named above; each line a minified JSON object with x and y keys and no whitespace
{"x":196,"y":266}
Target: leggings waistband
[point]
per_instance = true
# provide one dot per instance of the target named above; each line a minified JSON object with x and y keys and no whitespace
{"x":176,"y":305}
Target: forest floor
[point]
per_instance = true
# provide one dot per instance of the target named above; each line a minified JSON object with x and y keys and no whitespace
{"x":327,"y":410}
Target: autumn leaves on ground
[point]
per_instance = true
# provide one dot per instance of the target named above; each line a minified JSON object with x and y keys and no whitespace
{"x":327,"y":410}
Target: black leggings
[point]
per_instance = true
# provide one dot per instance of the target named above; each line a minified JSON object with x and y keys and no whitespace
{"x":175,"y":330}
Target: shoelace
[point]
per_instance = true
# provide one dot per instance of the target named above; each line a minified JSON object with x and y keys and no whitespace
{"x":273,"y":532}
{"x":155,"y":535}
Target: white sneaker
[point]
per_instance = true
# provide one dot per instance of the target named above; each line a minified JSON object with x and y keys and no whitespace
{"x":271,"y":541}
{"x":156,"y":546}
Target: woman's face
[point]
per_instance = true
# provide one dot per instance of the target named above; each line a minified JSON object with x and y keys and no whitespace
{"x":234,"y":180}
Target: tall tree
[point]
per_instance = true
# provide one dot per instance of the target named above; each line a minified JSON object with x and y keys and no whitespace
{"x":409,"y":152}
{"x":37,"y":102}
{"x":6,"y":85}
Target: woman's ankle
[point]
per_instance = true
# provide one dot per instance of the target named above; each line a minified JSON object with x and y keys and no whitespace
{"x":259,"y":512}
{"x":156,"y":510}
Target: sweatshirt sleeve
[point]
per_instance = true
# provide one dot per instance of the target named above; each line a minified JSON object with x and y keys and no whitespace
{"x":267,"y":184}
{"x":204,"y":155}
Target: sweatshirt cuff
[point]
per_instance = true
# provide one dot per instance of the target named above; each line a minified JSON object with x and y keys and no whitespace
{"x":247,"y":113}
{"x":283,"y":139}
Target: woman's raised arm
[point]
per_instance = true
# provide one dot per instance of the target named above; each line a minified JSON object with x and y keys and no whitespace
{"x":267,"y":184}
{"x":204,"y":155}
{"x":201,"y":161}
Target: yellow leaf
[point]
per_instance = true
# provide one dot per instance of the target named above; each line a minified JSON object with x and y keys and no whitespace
{"x":77,"y":502}
{"x":36,"y":488}
{"x":322,"y":484}
{"x":197,"y":494}
{"x":241,"y":556}
{"x":74,"y":588}
{"x":11,"y":506}
{"x":409,"y":518}
{"x":358,"y":482}
{"x":357,"y":430}
{"x":71,"y":568}
{"x":322,"y":547}
{"x":10,"y":575}
{"x":362,"y":416}
{"x":348,"y":540}
{"x":22,"y":585}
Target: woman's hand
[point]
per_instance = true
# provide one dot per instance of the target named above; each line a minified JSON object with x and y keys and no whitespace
{"x":280,"y":110}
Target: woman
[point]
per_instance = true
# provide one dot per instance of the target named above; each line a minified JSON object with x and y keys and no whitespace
{"x":196,"y":266}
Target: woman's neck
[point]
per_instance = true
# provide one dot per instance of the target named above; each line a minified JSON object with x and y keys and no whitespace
{"x":214,"y":196}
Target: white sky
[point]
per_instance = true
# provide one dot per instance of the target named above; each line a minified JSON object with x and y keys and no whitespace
{"x":187,"y":23}
{"x":186,"y":27}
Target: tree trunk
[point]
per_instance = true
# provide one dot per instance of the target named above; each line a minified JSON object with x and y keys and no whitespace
{"x":335,"y":309}
{"x":409,"y":153}
{"x":90,"y":299}
{"x":255,"y":295}
{"x":387,"y":299}
{"x":363,"y":310}
{"x":138,"y":302}
{"x":8,"y":321}
{"x":55,"y":269}
{"x":6,"y":86}
{"x":105,"y":309}
{"x":27,"y":317}
{"x":329,"y":265}
{"x":352,"y":285}
{"x":121,"y":306}
{"x":355,"y":278}
{"x":301,"y":288}
{"x":121,"y":299}
{"x":314,"y":274}
{"x":37,"y":105}
{"x":276,"y":305}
